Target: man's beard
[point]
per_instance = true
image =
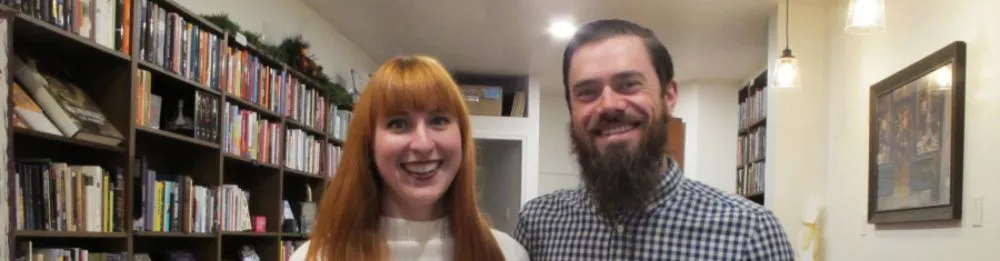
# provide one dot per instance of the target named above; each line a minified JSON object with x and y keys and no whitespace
{"x":621,"y":181}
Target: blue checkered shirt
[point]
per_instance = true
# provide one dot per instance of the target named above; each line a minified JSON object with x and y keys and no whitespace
{"x":686,"y":220}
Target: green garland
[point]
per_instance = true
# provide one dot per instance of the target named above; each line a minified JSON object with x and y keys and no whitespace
{"x":288,"y":51}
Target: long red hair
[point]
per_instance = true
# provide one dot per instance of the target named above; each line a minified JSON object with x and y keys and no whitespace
{"x":347,"y":225}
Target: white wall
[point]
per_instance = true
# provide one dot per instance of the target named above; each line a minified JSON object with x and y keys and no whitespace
{"x":498,"y":183}
{"x":277,"y":19}
{"x":915,"y":29}
{"x":688,"y":109}
{"x":557,"y":165}
{"x":709,"y":110}
{"x":796,"y":118}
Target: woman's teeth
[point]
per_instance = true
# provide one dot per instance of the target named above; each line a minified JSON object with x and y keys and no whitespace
{"x":423,"y":167}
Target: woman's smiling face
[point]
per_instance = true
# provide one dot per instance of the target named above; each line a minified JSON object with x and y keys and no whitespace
{"x":417,"y":155}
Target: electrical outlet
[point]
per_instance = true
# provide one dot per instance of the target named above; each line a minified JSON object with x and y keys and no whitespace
{"x":977,"y":211}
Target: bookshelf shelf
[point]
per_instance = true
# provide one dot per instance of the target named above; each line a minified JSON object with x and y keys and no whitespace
{"x":173,"y":234}
{"x":264,"y":58}
{"x":300,"y":173}
{"x":294,"y":124}
{"x":129,"y":75}
{"x":176,"y":137}
{"x":246,"y":161}
{"x":302,"y":76}
{"x":249,"y":234}
{"x":61,"y":234}
{"x":174,"y":77}
{"x":245,"y":104}
{"x":752,"y":126}
{"x":40,"y":31}
{"x":294,"y":235}
{"x":38,"y":135}
{"x":335,"y":141}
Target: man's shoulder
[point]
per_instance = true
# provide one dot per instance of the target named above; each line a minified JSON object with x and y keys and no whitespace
{"x":552,"y":202}
{"x":716,"y":201}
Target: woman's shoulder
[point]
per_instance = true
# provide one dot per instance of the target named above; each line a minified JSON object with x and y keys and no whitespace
{"x":299,"y":254}
{"x":512,"y":250}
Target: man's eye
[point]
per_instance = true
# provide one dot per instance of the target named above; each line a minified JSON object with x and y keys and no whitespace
{"x":629,"y":86}
{"x":587,"y":93}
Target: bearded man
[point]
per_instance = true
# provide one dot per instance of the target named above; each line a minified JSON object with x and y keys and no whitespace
{"x":633,"y":202}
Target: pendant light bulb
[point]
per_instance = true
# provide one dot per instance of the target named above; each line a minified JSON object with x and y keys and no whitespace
{"x":865,"y":17}
{"x":786,"y":71}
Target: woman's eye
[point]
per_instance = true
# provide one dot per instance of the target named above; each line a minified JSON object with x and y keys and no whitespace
{"x":439,"y":121}
{"x":396,"y":124}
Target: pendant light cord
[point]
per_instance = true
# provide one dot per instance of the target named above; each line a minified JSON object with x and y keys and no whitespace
{"x":787,"y":17}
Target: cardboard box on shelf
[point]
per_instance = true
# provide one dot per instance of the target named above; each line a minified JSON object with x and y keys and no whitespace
{"x":483,"y":100}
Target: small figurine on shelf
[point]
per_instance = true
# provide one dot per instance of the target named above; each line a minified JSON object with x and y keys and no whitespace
{"x":248,"y":254}
{"x":308,"y":213}
{"x":181,"y":124}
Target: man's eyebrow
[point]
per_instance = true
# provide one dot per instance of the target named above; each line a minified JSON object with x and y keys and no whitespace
{"x":586,"y":82}
{"x":624,"y":75}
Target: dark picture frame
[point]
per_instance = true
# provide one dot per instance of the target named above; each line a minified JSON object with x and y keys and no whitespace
{"x":915,"y":152}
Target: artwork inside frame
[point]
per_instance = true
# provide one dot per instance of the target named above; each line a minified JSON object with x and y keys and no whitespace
{"x":916,"y":126}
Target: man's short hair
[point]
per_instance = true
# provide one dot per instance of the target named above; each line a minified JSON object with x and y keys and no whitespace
{"x":603,"y":29}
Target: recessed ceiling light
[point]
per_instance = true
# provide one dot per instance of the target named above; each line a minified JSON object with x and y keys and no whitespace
{"x":562,"y":29}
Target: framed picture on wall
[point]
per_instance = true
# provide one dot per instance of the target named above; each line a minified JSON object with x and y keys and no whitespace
{"x":916,"y":126}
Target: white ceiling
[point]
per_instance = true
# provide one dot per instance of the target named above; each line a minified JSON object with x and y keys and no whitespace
{"x":709,"y":39}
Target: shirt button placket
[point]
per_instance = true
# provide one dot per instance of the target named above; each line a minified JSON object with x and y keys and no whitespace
{"x":618,"y":253}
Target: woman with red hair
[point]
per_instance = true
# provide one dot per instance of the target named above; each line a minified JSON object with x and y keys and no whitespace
{"x":405,"y":187}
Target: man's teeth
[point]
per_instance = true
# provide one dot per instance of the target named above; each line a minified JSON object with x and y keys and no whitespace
{"x":616,"y":130}
{"x":422,"y":167}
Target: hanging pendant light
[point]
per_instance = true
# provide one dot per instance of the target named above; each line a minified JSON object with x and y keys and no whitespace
{"x":786,"y":69}
{"x":865,"y":17}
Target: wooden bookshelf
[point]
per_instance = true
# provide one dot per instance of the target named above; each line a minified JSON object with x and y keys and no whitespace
{"x":204,"y":154}
{"x":751,"y":139}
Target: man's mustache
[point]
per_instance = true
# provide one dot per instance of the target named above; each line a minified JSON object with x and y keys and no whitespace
{"x":610,"y":117}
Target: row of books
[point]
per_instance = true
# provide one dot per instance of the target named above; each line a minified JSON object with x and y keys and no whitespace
{"x":56,"y":196}
{"x":171,"y":41}
{"x":337,"y":126}
{"x":752,"y":146}
{"x":173,"y":203}
{"x":275,"y":89}
{"x":302,"y":151}
{"x":106,"y":22}
{"x":250,"y":136}
{"x":332,"y":159}
{"x":234,"y":208}
{"x":753,"y":109}
{"x":750,"y":179}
